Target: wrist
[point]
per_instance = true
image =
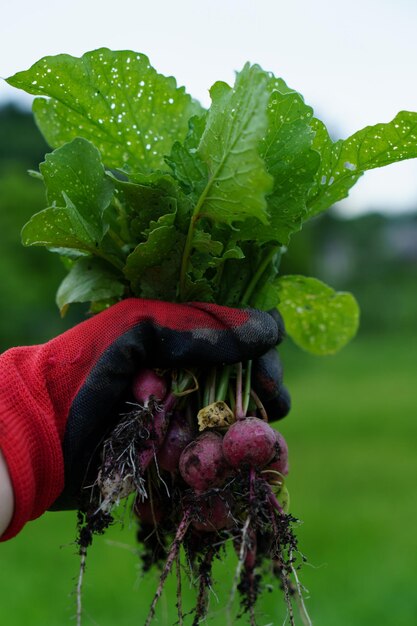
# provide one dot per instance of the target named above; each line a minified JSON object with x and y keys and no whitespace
{"x":29,"y":435}
{"x":6,"y":496}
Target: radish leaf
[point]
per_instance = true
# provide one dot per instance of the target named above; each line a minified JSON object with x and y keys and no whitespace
{"x":289,"y":158}
{"x":319,"y":319}
{"x":75,"y":173}
{"x":143,"y":199}
{"x":89,"y":279}
{"x":113,"y":98}
{"x":232,"y":180}
{"x":153,"y":266}
{"x":79,"y":192}
{"x":188,"y":168}
{"x":343,"y":162}
{"x":199,"y":204}
{"x":267,"y":297}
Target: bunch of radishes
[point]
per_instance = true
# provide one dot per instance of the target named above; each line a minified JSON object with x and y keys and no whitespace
{"x":202,"y":477}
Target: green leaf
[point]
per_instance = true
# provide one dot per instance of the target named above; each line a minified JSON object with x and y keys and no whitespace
{"x":231,"y":180}
{"x":116,"y":99}
{"x":144,"y":199}
{"x":290,"y":159}
{"x":267,"y":297}
{"x":236,"y":181}
{"x":231,"y":252}
{"x":319,"y":319}
{"x":68,"y":255}
{"x":88,"y":280}
{"x":206,"y":264}
{"x":186,"y":165}
{"x":153,"y":266}
{"x":74,"y":174}
{"x":198,"y":290}
{"x":203,"y":242}
{"x":205,"y":250}
{"x":60,"y":228}
{"x":343,"y":162}
{"x":237,"y":273}
{"x":287,"y":151}
{"x":80,"y":192}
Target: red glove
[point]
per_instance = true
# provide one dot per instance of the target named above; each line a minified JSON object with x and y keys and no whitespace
{"x":58,"y":399}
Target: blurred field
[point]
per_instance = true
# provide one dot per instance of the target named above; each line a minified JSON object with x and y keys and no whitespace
{"x":352,"y":436}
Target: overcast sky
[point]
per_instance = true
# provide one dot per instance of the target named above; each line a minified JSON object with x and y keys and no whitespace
{"x":355,"y":62}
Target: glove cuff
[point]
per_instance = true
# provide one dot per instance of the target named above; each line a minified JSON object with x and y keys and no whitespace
{"x":29,"y":438}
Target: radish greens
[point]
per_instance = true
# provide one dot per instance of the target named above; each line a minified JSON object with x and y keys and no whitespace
{"x":151,"y":195}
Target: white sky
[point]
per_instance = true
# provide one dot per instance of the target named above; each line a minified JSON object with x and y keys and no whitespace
{"x":355,"y":62}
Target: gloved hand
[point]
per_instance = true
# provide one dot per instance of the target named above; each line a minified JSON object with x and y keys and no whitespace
{"x":59,"y":399}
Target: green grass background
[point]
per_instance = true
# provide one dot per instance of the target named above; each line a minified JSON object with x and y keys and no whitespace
{"x":352,"y":435}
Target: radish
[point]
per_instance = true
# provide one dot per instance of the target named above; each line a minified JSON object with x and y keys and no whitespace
{"x":280,"y":464}
{"x":149,"y":512}
{"x":213,"y":514}
{"x":146,"y":385}
{"x":250,"y":441}
{"x":153,"y":446}
{"x":133,"y":443}
{"x":202,"y":463}
{"x":179,"y":435}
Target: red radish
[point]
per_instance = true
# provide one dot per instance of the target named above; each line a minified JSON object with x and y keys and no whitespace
{"x":280,"y":464}
{"x":156,"y":425}
{"x":129,"y":450}
{"x":153,"y":422}
{"x":202,"y":464}
{"x":248,"y":511}
{"x":178,"y":436}
{"x":214,"y":514}
{"x":147,"y":384}
{"x":148,"y":512}
{"x":249,"y":441}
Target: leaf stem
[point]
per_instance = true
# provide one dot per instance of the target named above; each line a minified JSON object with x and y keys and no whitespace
{"x":246,"y":391}
{"x":194,"y":218}
{"x":209,"y":388}
{"x":223,"y":384}
{"x":124,"y":227}
{"x":259,"y":405}
{"x":239,"y":414}
{"x":232,"y":399}
{"x":212,"y":392}
{"x":116,"y":238}
{"x":258,"y":274}
{"x":189,"y":241}
{"x":109,"y":258}
{"x":184,"y":382}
